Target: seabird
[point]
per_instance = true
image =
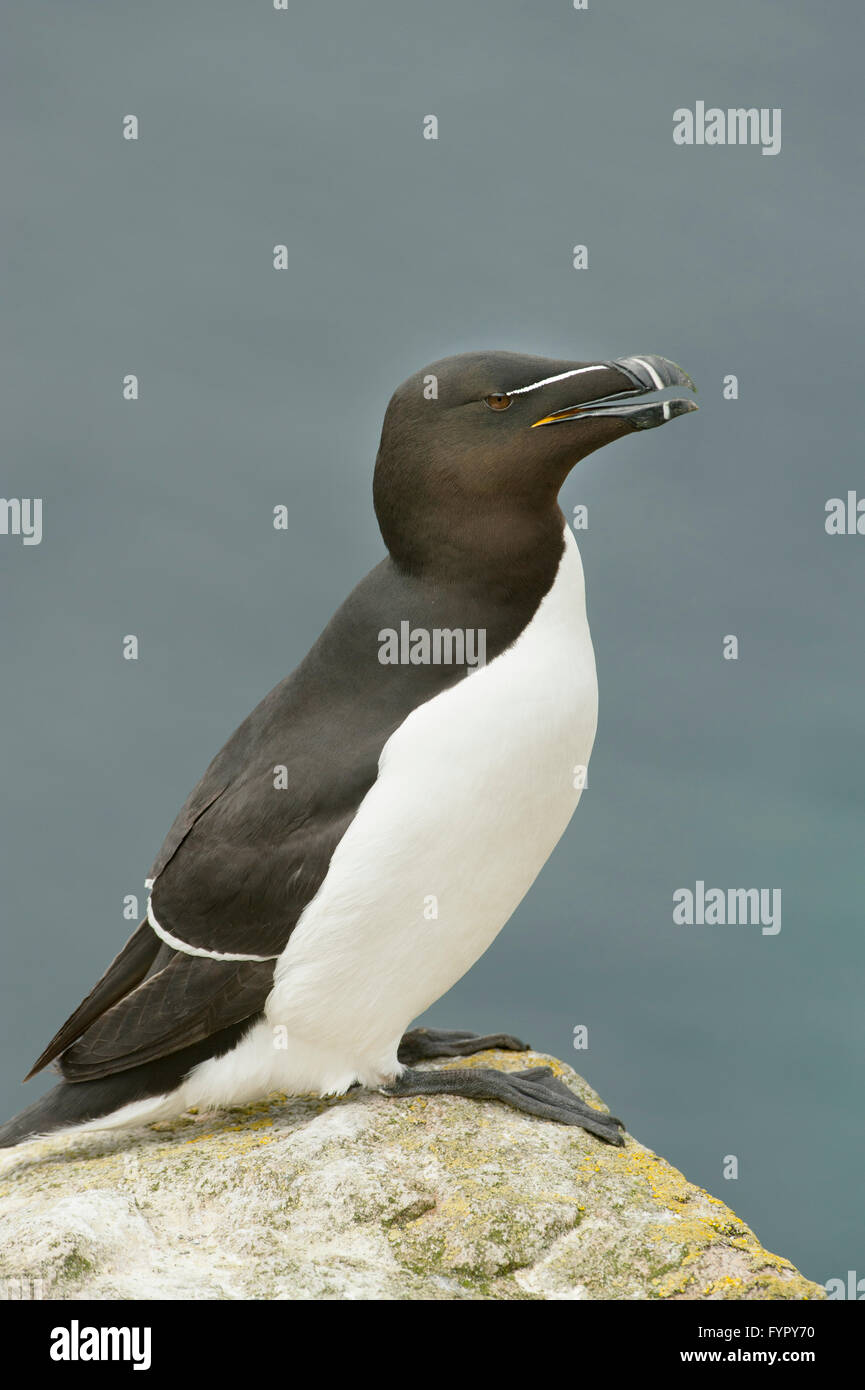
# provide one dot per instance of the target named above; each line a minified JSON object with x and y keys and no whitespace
{"x":367,"y":831}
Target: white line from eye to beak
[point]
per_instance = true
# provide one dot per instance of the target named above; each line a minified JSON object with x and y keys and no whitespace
{"x":562,"y":376}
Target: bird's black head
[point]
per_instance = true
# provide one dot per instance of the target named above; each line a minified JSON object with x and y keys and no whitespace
{"x":475,"y":448}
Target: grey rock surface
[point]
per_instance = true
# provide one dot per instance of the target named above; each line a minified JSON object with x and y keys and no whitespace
{"x":366,"y":1197}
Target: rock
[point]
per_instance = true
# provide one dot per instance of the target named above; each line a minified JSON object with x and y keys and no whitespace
{"x":365,"y":1197}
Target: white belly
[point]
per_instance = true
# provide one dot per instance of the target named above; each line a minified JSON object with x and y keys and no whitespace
{"x":474,"y":790}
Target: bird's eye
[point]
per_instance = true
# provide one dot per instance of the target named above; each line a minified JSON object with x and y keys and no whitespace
{"x":497,"y":402}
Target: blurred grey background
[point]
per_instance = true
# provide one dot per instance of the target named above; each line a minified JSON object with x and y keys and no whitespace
{"x":260,"y":388}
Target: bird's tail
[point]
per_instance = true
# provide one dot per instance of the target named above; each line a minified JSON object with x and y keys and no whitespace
{"x":72,"y":1104}
{"x":61,"y":1108}
{"x":144,"y":1093}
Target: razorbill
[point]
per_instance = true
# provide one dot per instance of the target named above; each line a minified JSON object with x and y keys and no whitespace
{"x":368,"y":830}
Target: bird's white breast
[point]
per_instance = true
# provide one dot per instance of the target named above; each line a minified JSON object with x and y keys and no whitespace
{"x":474,"y":790}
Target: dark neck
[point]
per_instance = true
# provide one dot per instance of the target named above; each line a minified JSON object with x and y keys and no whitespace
{"x":501,"y":550}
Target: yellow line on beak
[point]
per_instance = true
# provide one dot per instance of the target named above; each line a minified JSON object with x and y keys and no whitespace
{"x":558,"y":415}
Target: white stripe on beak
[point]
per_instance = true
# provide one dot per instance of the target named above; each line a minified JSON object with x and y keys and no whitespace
{"x":659,"y":385}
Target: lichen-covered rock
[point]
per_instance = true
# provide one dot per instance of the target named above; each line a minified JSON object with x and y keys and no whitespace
{"x":367,"y":1197}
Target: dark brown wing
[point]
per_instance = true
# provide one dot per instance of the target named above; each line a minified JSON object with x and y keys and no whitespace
{"x":126,"y":971}
{"x":191,"y":998}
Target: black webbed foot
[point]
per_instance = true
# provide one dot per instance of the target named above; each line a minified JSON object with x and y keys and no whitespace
{"x":424,"y":1044}
{"x":537,"y":1092}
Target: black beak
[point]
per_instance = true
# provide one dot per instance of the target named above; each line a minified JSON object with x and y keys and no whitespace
{"x":647,"y":375}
